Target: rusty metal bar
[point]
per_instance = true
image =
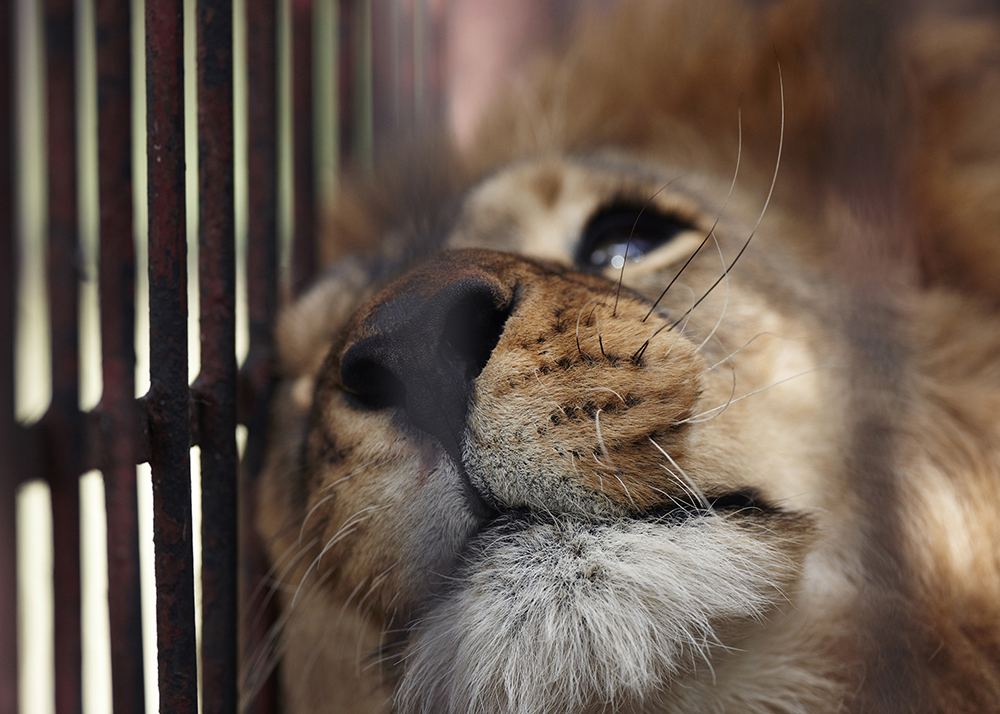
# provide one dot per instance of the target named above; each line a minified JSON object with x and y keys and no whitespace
{"x":392,"y":73}
{"x":304,"y":245}
{"x":361,"y":151}
{"x":423,"y":58}
{"x":262,"y":187}
{"x":385,"y":71}
{"x":215,"y":389}
{"x":262,"y":293}
{"x":435,"y":100}
{"x":8,"y":427}
{"x":405,"y":83}
{"x":61,"y":425}
{"x":346,"y":71}
{"x":168,"y":397}
{"x":117,"y":415}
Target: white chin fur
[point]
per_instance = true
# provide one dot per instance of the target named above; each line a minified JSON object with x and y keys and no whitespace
{"x":566,"y":617}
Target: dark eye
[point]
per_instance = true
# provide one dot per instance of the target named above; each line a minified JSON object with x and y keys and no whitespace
{"x":604,"y":239}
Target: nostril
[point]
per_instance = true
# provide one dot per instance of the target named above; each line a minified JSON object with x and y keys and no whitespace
{"x":368,"y":380}
{"x":471,"y":331}
{"x":423,"y":353}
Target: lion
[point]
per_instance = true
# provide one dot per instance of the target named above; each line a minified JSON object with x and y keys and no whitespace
{"x":678,"y":391}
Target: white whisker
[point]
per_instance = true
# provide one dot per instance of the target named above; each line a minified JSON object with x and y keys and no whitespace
{"x":736,"y":352}
{"x":697,"y":417}
{"x":280,"y":581}
{"x":606,"y":389}
{"x":331,"y":486}
{"x":600,"y":438}
{"x":695,"y":491}
{"x":346,"y":529}
{"x":725,"y":304}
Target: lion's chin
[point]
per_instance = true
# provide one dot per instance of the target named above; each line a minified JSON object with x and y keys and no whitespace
{"x":562,"y":616}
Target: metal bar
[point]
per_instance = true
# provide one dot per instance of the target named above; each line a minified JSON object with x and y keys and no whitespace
{"x":405,"y":56}
{"x":362,"y":107}
{"x":421,"y":52}
{"x":385,"y":77}
{"x":117,"y":414}
{"x":262,"y":295}
{"x":62,"y":423}
{"x":304,"y":245}
{"x":169,"y":395}
{"x":346,"y":72}
{"x":8,"y":427}
{"x":215,"y":389}
{"x":390,"y":115}
{"x":262,"y":186}
{"x":436,"y":83}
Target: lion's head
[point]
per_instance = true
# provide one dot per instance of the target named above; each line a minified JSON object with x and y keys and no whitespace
{"x":605,"y":418}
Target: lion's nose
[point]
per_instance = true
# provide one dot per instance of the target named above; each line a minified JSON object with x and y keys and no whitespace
{"x":421,"y":348}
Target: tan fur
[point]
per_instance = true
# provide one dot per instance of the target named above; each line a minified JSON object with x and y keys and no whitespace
{"x":777,"y":495}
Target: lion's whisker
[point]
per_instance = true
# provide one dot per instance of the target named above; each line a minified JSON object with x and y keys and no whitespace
{"x":718,"y":217}
{"x":628,"y":244}
{"x":346,"y":529}
{"x":725,"y":304}
{"x":607,"y":389}
{"x":694,"y":490}
{"x":579,"y":317}
{"x":697,"y":417}
{"x":366,"y":614}
{"x":262,"y":608}
{"x":737,"y":351}
{"x":331,"y":486}
{"x":767,"y":202}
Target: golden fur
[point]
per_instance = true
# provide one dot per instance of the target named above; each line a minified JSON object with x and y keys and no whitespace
{"x":502,"y":479}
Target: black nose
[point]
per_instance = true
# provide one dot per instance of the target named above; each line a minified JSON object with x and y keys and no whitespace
{"x":423,"y":353}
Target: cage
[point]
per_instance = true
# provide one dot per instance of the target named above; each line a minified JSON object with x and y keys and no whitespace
{"x":164,"y":168}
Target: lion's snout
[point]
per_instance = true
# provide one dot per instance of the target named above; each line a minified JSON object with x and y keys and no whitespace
{"x":421,"y":347}
{"x":500,"y":359}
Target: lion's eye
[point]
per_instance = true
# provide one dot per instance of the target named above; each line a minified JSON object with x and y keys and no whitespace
{"x":613,"y":231}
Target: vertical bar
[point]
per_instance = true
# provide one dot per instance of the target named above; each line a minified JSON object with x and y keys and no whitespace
{"x":437,"y":91}
{"x":361,"y":79}
{"x":169,"y":402}
{"x":304,"y":245}
{"x":8,"y":427}
{"x":346,"y":61}
{"x":385,"y":72}
{"x":406,"y":68}
{"x":869,"y":178}
{"x":392,"y":73}
{"x":421,"y":51}
{"x":262,"y":186}
{"x":117,"y":413}
{"x":61,"y":425}
{"x":215,"y":390}
{"x":262,"y":295}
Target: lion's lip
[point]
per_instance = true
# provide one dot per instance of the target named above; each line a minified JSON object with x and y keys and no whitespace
{"x":480,"y":508}
{"x":740,"y":501}
{"x":512,"y":521}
